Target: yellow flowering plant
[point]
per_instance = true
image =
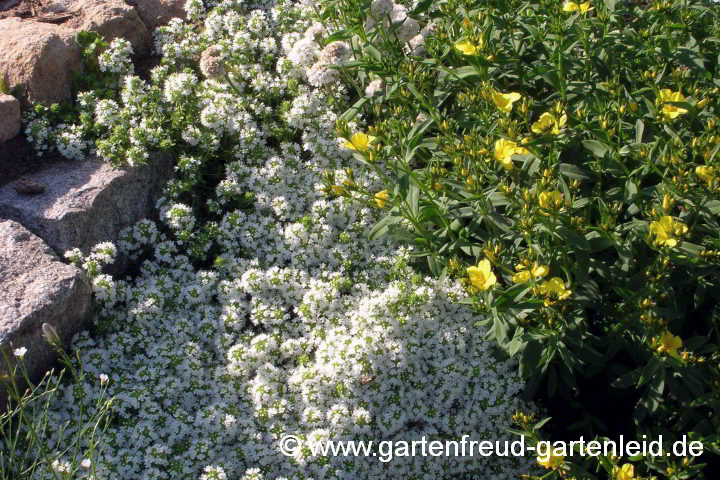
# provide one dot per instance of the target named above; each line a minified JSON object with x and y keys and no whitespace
{"x":570,"y":184}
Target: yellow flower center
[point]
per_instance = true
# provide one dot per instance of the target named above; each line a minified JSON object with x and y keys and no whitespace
{"x":667,"y":343}
{"x":360,"y":142}
{"x":666,"y":230}
{"x":505,"y":149}
{"x":671,"y":111}
{"x":482,"y":277}
{"x":467,"y":47}
{"x":504,"y":101}
{"x":381,"y":198}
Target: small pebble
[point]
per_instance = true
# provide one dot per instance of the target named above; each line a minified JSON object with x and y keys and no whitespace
{"x":28,"y":187}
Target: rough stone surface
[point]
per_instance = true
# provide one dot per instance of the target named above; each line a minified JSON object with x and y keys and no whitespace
{"x":36,"y":287}
{"x":9,"y":117}
{"x":86,"y":202}
{"x":112,"y":19}
{"x":39,"y":55}
{"x":158,"y":12}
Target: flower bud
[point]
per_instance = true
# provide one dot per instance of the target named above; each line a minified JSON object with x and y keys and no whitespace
{"x":51,"y":335}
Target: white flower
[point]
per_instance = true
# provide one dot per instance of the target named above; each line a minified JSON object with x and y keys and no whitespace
{"x":179,"y":86}
{"x":60,"y":466}
{"x":304,"y":52}
{"x":20,"y":352}
{"x":315,"y":32}
{"x":86,"y":464}
{"x":335,"y":53}
{"x":116,"y":59}
{"x":374,"y":87}
{"x":103,"y":379}
{"x":194,"y":8}
{"x":319,"y":75}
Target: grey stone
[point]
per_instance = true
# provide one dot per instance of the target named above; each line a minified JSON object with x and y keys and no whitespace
{"x":158,"y":12}
{"x":9,"y":117}
{"x":112,"y":19}
{"x":86,"y":202}
{"x":36,"y":287}
{"x":40,"y":56}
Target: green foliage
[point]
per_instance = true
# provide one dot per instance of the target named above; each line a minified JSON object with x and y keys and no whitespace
{"x":27,"y":451}
{"x":573,"y":158}
{"x":92,"y":79}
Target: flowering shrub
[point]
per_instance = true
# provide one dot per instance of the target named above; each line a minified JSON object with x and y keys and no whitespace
{"x":561,"y":159}
{"x":261,"y":308}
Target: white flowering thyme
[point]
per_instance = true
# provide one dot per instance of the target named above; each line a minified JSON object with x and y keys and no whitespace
{"x":116,"y":59}
{"x":274,"y":314}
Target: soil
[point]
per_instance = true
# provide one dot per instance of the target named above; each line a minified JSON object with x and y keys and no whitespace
{"x":34,"y":9}
{"x":22,"y":8}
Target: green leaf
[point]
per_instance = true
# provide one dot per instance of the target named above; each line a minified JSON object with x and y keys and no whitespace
{"x":690,"y":58}
{"x":373,"y":52}
{"x":530,"y":359}
{"x":599,"y":241}
{"x":573,"y":171}
{"x":352,"y":111}
{"x":338,"y":36}
{"x":639,"y":130}
{"x":599,"y":149}
{"x":631,"y":191}
{"x":648,"y":371}
{"x":572,"y":237}
{"x":382,"y":226}
{"x":511,"y":296}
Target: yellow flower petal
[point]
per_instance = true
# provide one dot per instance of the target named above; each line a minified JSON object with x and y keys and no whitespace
{"x":482,"y":276}
{"x":504,"y":101}
{"x":381,"y":198}
{"x":360,"y":142}
{"x":466,"y":47}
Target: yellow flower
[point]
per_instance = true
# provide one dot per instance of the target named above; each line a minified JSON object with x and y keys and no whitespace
{"x":524,"y":275}
{"x":551,"y":200}
{"x":504,"y":101}
{"x":627,"y":472}
{"x":482,"y":276}
{"x":671,"y":111}
{"x":505,"y":149}
{"x":706,"y":174}
{"x":667,"y":343}
{"x":337,"y":190}
{"x":360,"y":142}
{"x":555,"y":288}
{"x":381,"y":198}
{"x":551,"y":461}
{"x":577,"y":7}
{"x":467,"y":47}
{"x":548,"y":123}
{"x":666,"y":230}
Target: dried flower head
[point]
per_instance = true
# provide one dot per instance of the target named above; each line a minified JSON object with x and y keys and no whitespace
{"x":212,"y":63}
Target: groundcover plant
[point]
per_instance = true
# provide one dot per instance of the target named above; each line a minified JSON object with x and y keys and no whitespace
{"x":259,"y":307}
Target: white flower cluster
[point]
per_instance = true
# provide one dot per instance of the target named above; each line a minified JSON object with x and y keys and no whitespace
{"x":179,"y":86}
{"x":300,"y":325}
{"x":71,"y":142}
{"x":395,"y":21}
{"x":116,"y":59}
